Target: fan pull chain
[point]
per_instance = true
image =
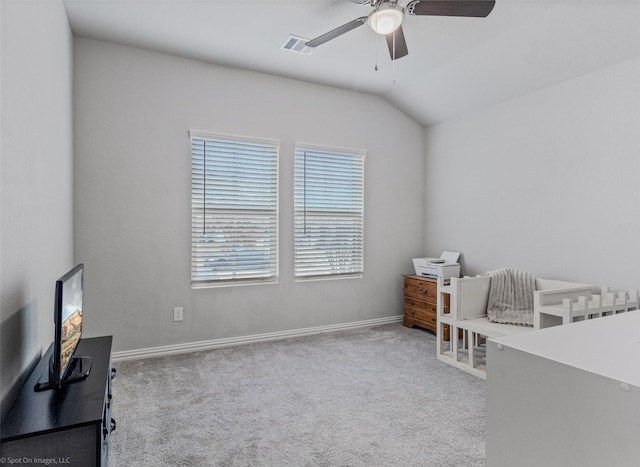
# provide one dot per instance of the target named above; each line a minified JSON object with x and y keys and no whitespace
{"x":393,"y":62}
{"x":375,"y":43}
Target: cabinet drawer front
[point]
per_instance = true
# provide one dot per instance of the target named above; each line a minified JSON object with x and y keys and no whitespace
{"x":429,"y":307}
{"x":421,"y":315}
{"x":421,"y":289}
{"x":56,"y":445}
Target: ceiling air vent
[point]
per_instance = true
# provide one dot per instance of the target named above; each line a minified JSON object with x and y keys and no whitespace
{"x":297,"y":44}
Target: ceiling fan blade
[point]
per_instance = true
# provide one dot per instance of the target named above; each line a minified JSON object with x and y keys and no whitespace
{"x":337,"y":32}
{"x":472,"y":8}
{"x":400,"y":44}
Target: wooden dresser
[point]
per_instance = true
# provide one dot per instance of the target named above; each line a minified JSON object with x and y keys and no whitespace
{"x":420,"y":303}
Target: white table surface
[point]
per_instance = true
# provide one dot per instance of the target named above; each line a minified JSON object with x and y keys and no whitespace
{"x":608,"y":346}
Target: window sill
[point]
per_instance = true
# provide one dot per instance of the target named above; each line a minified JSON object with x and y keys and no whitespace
{"x":231,"y":283}
{"x":328,"y":278}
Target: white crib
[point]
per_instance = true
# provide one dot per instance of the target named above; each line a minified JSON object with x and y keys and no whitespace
{"x":555,"y":302}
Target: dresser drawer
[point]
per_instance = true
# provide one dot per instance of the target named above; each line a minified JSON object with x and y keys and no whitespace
{"x":422,"y":315}
{"x":410,"y":302}
{"x":421,"y":289}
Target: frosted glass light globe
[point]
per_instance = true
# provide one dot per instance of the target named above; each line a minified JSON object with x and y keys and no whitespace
{"x":386,"y":19}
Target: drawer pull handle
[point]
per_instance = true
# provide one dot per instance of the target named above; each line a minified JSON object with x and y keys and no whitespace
{"x":423,"y":291}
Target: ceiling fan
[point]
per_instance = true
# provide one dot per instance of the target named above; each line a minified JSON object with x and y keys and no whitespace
{"x":387,"y":16}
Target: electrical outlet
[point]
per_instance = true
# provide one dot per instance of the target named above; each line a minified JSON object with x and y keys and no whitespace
{"x":178,"y":313}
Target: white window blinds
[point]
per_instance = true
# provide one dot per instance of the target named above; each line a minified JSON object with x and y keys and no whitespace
{"x":234,"y":209}
{"x":329,"y":213}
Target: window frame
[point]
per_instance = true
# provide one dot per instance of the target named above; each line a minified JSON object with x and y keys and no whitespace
{"x":358,"y":155}
{"x":235,"y":277}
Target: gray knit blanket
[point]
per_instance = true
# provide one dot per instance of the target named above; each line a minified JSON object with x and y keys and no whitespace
{"x":511,"y":297}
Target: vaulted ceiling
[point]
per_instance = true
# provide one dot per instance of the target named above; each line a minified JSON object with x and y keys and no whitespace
{"x":455,"y":65}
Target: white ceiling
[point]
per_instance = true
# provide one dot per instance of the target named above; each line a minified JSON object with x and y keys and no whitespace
{"x":455,"y":65}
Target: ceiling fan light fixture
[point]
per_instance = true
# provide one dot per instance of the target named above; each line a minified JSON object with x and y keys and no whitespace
{"x":386,"y":18}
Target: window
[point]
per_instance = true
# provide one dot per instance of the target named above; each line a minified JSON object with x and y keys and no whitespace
{"x":329,"y":213}
{"x":234,"y":210}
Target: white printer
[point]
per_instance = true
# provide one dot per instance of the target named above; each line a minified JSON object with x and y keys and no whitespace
{"x":444,"y":267}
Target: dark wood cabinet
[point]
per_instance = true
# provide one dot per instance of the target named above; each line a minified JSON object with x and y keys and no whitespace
{"x":70,"y":426}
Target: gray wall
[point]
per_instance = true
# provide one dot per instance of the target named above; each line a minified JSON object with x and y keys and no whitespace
{"x":547,"y":183}
{"x":36,"y":196}
{"x":132,"y":111}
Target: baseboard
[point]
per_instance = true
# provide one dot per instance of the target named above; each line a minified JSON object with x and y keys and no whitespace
{"x":227,"y":342}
